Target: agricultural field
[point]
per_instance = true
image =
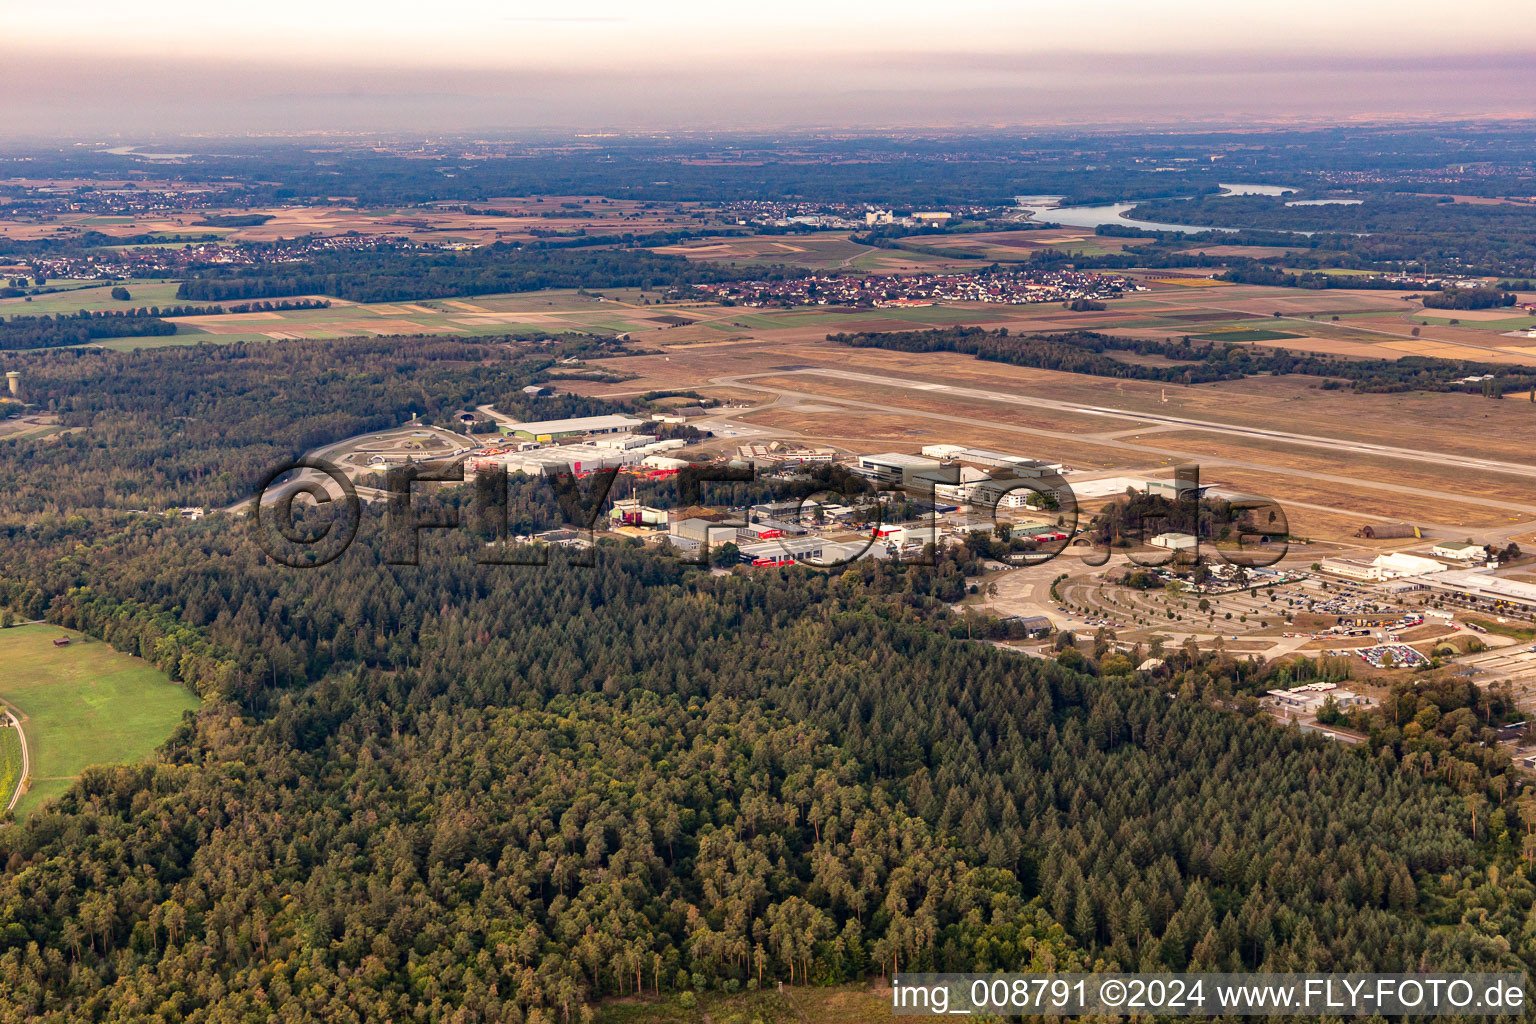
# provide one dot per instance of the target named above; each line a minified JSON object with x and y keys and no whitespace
{"x":1498,"y":320}
{"x":548,"y":312}
{"x":1020,"y":245}
{"x":818,"y":253}
{"x":514,"y":219}
{"x":92,"y":296}
{"x":82,"y":705}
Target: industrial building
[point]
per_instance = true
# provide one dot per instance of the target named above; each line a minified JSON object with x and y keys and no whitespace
{"x":1034,"y":626}
{"x":1460,"y":552}
{"x":1109,"y":487}
{"x":571,"y":458}
{"x":895,"y":467}
{"x":786,"y":452}
{"x":633,"y":512}
{"x":1175,"y":541}
{"x":691,"y":523}
{"x":1384,"y":531}
{"x":812,"y":550}
{"x":1481,"y":590}
{"x":1178,"y":489}
{"x":1309,"y":698}
{"x":1012,"y":494}
{"x":1383,"y":567}
{"x":789,"y":510}
{"x":769,"y":529}
{"x":554,"y":430}
{"x":603,"y":452}
{"x":1022,"y":465}
{"x":977,"y":487}
{"x":782,"y":550}
{"x":624,"y":441}
{"x":1351,"y":568}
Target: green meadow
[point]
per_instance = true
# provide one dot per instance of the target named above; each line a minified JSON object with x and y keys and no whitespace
{"x":81,"y":705}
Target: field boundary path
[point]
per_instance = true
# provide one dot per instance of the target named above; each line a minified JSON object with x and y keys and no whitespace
{"x":26,"y":764}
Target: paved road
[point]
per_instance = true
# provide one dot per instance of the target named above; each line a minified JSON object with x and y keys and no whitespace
{"x":866,"y":252}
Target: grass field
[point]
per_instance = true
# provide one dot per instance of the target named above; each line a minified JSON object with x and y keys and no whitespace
{"x":82,"y":705}
{"x":1504,"y":629}
{"x":820,"y":252}
{"x":93,"y":297}
{"x":619,"y":311}
{"x":1244,"y":334}
{"x":1464,"y":319}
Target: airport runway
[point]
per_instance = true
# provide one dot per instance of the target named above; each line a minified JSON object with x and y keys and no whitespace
{"x":1182,"y":422}
{"x":1109,"y":438}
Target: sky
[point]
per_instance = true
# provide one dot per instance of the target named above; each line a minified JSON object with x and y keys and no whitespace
{"x":86,"y":68}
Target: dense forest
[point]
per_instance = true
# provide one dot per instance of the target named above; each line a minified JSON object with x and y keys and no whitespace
{"x":1470,"y":298}
{"x":1196,"y":362}
{"x":1254,"y":272}
{"x":387,"y":273}
{"x":170,"y":427}
{"x":25,"y":332}
{"x":1429,"y":230}
{"x":458,"y":792}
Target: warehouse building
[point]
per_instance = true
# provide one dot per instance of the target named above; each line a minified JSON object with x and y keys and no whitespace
{"x":1483,"y":591}
{"x":1396,"y":565}
{"x":572,"y":458}
{"x":1022,"y":489}
{"x":625,"y":441}
{"x":1021,"y":464}
{"x":555,"y":430}
{"x":808,"y":550}
{"x":782,"y":551}
{"x":1178,"y":489}
{"x":1386,"y":531}
{"x":1351,"y":568}
{"x":1460,"y":552}
{"x":1034,"y":626}
{"x":634,"y":512}
{"x":1309,"y":698}
{"x":704,"y":531}
{"x":769,"y":529}
{"x":1400,"y":563}
{"x":895,"y":467}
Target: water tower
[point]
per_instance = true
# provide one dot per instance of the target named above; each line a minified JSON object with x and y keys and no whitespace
{"x":13,"y":378}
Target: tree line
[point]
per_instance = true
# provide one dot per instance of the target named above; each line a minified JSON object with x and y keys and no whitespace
{"x":386,"y":273}
{"x":1197,"y":363}
{"x":64,"y":329}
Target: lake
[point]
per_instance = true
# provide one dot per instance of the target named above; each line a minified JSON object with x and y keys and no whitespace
{"x":1044,"y":208}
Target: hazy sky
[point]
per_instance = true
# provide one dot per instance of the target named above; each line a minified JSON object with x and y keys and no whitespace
{"x":88,"y":67}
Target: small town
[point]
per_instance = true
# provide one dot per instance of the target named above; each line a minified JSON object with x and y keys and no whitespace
{"x":1008,"y":287}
